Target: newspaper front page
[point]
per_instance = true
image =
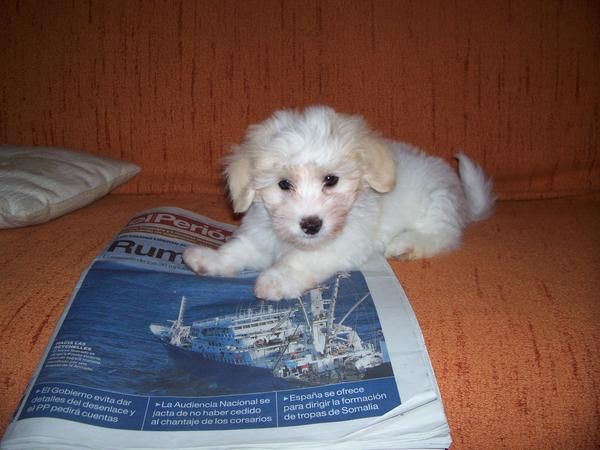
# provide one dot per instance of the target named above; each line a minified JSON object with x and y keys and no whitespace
{"x":151,"y":355}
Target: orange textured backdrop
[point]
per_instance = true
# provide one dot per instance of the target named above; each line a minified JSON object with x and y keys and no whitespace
{"x":172,"y":84}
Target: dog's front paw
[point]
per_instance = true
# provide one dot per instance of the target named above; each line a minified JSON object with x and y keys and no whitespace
{"x":404,"y":247}
{"x":277,"y":284}
{"x":204,"y":260}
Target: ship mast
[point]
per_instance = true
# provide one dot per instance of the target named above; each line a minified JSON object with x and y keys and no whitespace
{"x":179,"y":333}
{"x":334,"y":295}
{"x":179,"y":320}
{"x":331,"y":330}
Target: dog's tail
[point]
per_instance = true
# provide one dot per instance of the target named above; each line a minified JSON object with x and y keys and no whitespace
{"x":477,"y":188}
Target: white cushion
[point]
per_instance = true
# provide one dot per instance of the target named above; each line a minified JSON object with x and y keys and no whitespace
{"x":38,"y":184}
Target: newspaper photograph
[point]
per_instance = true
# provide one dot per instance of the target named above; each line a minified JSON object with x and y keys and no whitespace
{"x":150,"y":355}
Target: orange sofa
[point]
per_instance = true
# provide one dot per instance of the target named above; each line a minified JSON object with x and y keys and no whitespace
{"x":511,"y":320}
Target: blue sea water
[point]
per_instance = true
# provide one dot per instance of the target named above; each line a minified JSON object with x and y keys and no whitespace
{"x":116,"y":304}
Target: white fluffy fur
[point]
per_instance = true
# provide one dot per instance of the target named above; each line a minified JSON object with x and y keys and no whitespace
{"x":390,"y":198}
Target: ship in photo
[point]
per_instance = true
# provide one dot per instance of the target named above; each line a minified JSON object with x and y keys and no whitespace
{"x":303,"y":342}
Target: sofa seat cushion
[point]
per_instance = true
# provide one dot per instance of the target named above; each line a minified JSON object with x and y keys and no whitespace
{"x":511,"y":320}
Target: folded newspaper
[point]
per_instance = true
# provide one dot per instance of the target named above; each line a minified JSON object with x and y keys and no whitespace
{"x":149,"y":355}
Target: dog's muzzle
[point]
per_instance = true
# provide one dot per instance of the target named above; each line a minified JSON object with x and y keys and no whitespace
{"x":311,"y":225}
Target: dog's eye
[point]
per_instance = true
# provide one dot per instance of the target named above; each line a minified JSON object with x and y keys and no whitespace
{"x":285,"y":185}
{"x":330,"y":180}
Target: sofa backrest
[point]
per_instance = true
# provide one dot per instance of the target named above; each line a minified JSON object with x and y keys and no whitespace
{"x":171,"y":85}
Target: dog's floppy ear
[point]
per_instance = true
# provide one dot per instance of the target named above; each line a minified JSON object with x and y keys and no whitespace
{"x":238,"y":170}
{"x":377,"y":162}
{"x":239,"y":167}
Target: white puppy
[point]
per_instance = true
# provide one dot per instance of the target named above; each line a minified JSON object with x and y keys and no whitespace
{"x":323,"y":193}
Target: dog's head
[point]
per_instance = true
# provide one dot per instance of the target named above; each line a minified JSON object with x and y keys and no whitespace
{"x":308,"y":169}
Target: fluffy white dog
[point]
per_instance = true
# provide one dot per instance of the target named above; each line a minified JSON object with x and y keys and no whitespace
{"x":323,"y":193}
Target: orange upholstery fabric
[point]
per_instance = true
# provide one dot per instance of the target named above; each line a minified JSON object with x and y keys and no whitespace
{"x":171,"y":85}
{"x":510,"y":320}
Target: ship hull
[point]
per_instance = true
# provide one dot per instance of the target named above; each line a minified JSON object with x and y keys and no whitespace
{"x":226,"y":374}
{"x":260,"y":378}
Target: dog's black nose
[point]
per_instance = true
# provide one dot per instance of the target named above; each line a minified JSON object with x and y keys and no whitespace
{"x":311,"y":224}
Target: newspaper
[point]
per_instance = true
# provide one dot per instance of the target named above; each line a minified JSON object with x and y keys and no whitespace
{"x":149,"y":355}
